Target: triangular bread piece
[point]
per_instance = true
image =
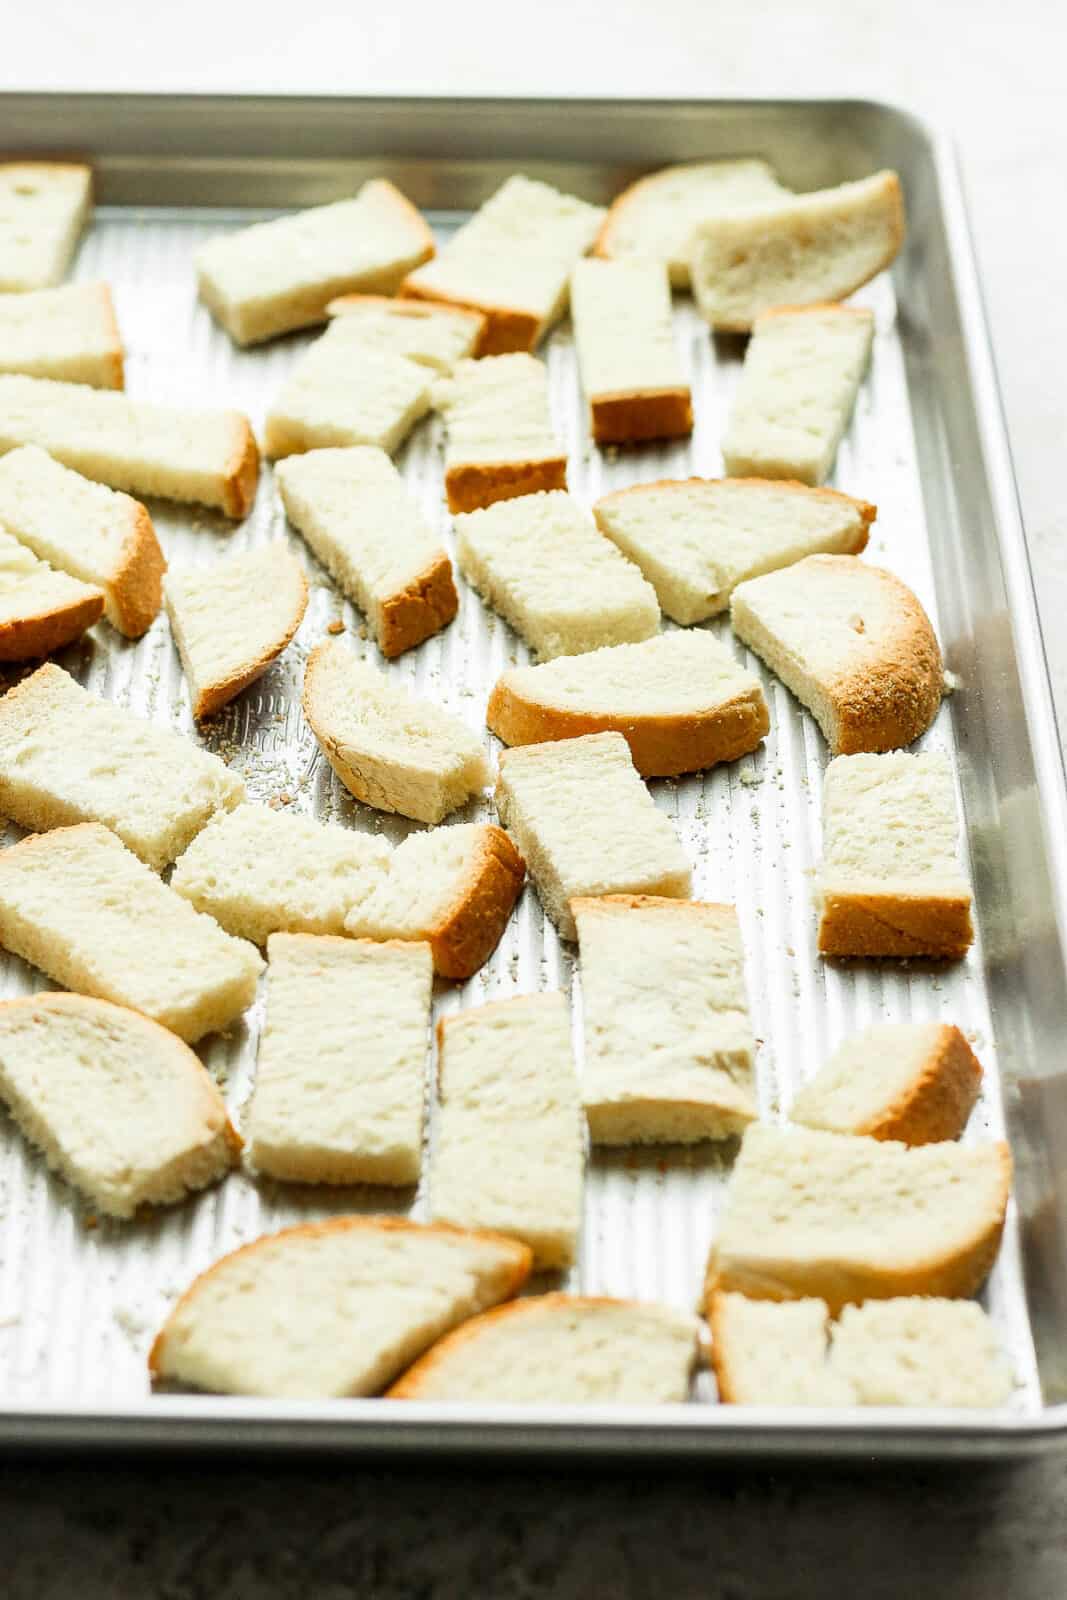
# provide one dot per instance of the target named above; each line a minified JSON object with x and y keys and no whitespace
{"x":40,"y":610}
{"x":912,"y":1081}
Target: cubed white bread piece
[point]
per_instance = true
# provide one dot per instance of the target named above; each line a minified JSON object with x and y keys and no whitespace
{"x":390,"y":750}
{"x":774,"y":1353}
{"x":631,"y":372}
{"x":67,"y":757}
{"x":500,"y":439}
{"x":437,"y":336}
{"x":118,"y":1106}
{"x":890,"y":883}
{"x":87,"y":530}
{"x":512,"y":261}
{"x":274,"y":276}
{"x":563,"y":587}
{"x":76,"y":903}
{"x":508,"y":1144}
{"x":209,"y":457}
{"x":44,"y":205}
{"x":340,"y":392}
{"x":912,"y":1081}
{"x":341,"y":1073}
{"x":802,"y":372}
{"x":695,"y":539}
{"x":231,"y":620}
{"x":656,"y":217}
{"x":453,"y":887}
{"x":848,"y":1219}
{"x":852,"y":643}
{"x":330,"y":1309}
{"x":258,"y":871}
{"x":546,"y":795}
{"x":680,"y":700}
{"x":669,"y":1051}
{"x":560,"y":1349}
{"x":68,"y":333}
{"x":359,"y":519}
{"x":40,"y":610}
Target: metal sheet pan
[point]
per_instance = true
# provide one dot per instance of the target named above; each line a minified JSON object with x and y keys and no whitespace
{"x":79,"y":1302}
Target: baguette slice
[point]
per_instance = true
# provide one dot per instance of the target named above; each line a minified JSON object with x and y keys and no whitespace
{"x":501,"y":441}
{"x":453,"y":888}
{"x":330,"y":1309}
{"x":546,"y":795}
{"x":86,"y":530}
{"x":890,"y":883}
{"x":774,"y":1353}
{"x":357,"y":516}
{"x":77,"y":904}
{"x":508,"y":1151}
{"x":436,"y":336}
{"x":40,"y":610}
{"x":341,"y":1073}
{"x":541,"y":563}
{"x":680,"y":701}
{"x":631,"y":372}
{"x":208,"y":457}
{"x":120,"y":1108}
{"x":695,"y":540}
{"x":560,"y":1349}
{"x":512,"y":261}
{"x":259,"y":872}
{"x":390,"y":750}
{"x":912,"y":1081}
{"x":231,"y":620}
{"x":44,"y":205}
{"x":852,"y":643}
{"x":68,"y":333}
{"x":848,"y":1219}
{"x":67,"y":757}
{"x":275,"y":276}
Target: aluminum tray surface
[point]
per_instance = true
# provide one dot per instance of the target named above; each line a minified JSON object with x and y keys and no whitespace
{"x":81,"y":1298}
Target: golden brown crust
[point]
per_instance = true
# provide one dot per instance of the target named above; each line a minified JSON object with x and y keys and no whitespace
{"x":505,"y":330}
{"x":644,"y":414}
{"x":714,"y":1311}
{"x":241,"y":474}
{"x":472,"y":485}
{"x":214,"y":696}
{"x":24,"y":638}
{"x":116,"y":373}
{"x":471,"y":928}
{"x":936,"y":1105}
{"x":425,"y":606}
{"x":137,"y":582}
{"x":815,"y":308}
{"x":854,"y":923}
{"x":862,"y":508}
{"x":894,"y":700}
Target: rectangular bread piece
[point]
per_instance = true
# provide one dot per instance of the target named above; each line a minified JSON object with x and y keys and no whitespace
{"x":630,"y":368}
{"x":40,"y":610}
{"x":68,"y":333}
{"x":546,"y":796}
{"x":340,"y":1077}
{"x":275,"y":276}
{"x":79,"y":905}
{"x":508,"y":1150}
{"x":358,"y":518}
{"x":500,"y":438}
{"x":436,"y":336}
{"x":669,"y":1051}
{"x":44,"y":205}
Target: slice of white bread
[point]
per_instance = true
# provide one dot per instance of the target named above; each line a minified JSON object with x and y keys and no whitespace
{"x":44,"y":205}
{"x":119,"y":1107}
{"x":507,"y":1151}
{"x":259,"y":871}
{"x":359,"y":519}
{"x":208,"y":457}
{"x":231,"y":620}
{"x":795,"y":250}
{"x":695,"y":539}
{"x":656,"y":217}
{"x":854,"y":645}
{"x":453,"y":887}
{"x":630,"y":369}
{"x":669,"y":1052}
{"x":541,"y":563}
{"x":560,"y":1349}
{"x":512,"y":261}
{"x":68,"y":333}
{"x":847,"y":1219}
{"x":274,"y":276}
{"x":774,"y":1352}
{"x":546,"y":795}
{"x":40,"y":610}
{"x":912,"y":1081}
{"x":390,"y":750}
{"x":334,"y":1308}
{"x":890,"y":882}
{"x":437,"y":336}
{"x":680,"y":700}
{"x":89,"y":531}
{"x":802,"y":373}
{"x":500,"y":439}
{"x":67,"y":757}
{"x":341,"y":1073}
{"x":76,"y":903}
{"x":343,"y":392}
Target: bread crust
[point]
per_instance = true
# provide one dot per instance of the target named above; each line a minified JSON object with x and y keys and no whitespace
{"x":213,"y":696}
{"x":713,"y":1312}
{"x":470,"y":929}
{"x":506,"y":329}
{"x":114,"y":360}
{"x":470,"y":486}
{"x":241,"y":473}
{"x":853,"y":923}
{"x":137,"y":581}
{"x":936,"y":1104}
{"x":423,"y":607}
{"x":642,"y":414}
{"x":26,"y":637}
